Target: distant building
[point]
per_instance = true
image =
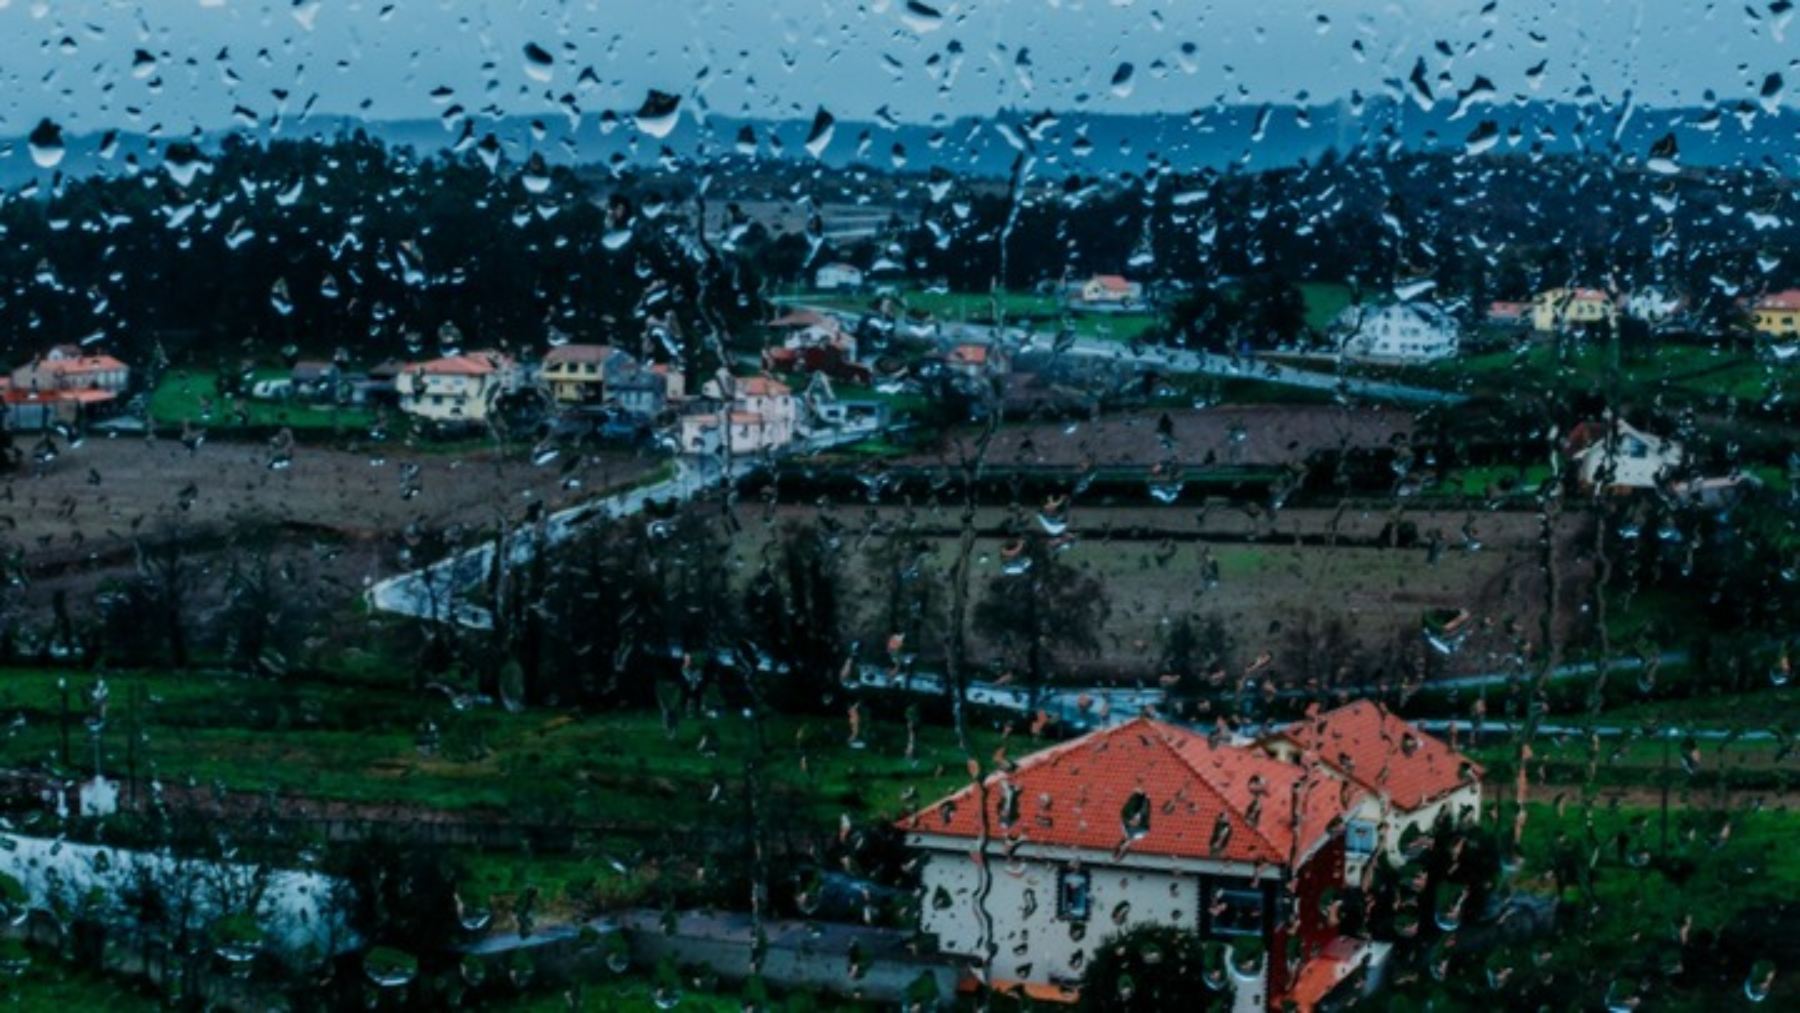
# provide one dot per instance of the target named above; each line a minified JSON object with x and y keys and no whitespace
{"x":578,"y":374}
{"x":1509,"y":313}
{"x":833,"y":277}
{"x":1653,"y":305}
{"x":1777,"y":314}
{"x":973,"y":359}
{"x":1618,"y":457}
{"x":63,"y":386}
{"x":645,"y":392}
{"x":68,"y":368}
{"x":315,"y":378}
{"x":456,"y":388}
{"x":1398,"y":332}
{"x":1561,"y":309}
{"x":1109,"y":290}
{"x":755,"y":413}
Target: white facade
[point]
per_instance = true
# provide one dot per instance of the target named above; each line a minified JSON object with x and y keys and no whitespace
{"x":838,"y":276}
{"x":461,"y":388}
{"x":1377,"y":826}
{"x":1398,"y":332}
{"x":1035,"y":934}
{"x":1632,"y":460}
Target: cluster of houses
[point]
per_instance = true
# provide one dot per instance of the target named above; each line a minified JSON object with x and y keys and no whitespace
{"x":1249,"y":840}
{"x":63,"y":386}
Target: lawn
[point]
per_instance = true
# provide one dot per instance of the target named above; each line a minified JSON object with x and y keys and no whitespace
{"x":52,"y":985}
{"x":1324,"y":301}
{"x":192,"y":396}
{"x":366,"y":744}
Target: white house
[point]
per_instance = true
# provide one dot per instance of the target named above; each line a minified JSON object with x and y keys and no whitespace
{"x":1652,"y":305}
{"x":456,"y":388}
{"x":1026,"y":875}
{"x":758,"y":413}
{"x":1109,"y":290}
{"x":835,"y":276}
{"x":1411,"y":779}
{"x":1618,"y":457}
{"x":1398,"y":332}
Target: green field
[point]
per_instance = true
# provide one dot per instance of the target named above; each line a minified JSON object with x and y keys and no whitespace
{"x":1324,"y":301}
{"x":192,"y":396}
{"x":52,"y":985}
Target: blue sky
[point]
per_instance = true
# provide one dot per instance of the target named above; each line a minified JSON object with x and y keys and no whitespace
{"x":205,"y":63}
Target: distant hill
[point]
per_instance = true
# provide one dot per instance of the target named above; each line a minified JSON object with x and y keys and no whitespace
{"x":1221,"y":138}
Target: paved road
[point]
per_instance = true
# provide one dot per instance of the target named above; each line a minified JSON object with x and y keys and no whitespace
{"x":439,"y":592}
{"x":1174,"y":360}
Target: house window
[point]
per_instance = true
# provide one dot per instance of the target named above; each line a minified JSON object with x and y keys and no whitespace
{"x":1359,"y":837}
{"x":1072,"y":896}
{"x":1236,"y":912}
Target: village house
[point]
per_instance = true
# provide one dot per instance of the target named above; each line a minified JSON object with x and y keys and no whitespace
{"x":578,"y":374}
{"x":315,"y":378}
{"x":1402,"y":332}
{"x":1617,"y":457}
{"x":1025,"y":876}
{"x":1108,"y":290}
{"x":815,"y":343}
{"x":975,"y":360}
{"x":67,"y":368}
{"x":1562,"y":309}
{"x":836,"y":276}
{"x":1509,"y":313}
{"x":645,"y":392}
{"x":757,"y":412}
{"x":63,"y":386}
{"x":1777,"y":314}
{"x":456,"y":388}
{"x":1653,"y":305}
{"x":1411,"y":779}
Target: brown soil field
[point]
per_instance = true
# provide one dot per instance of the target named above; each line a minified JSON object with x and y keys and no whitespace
{"x":72,"y":522}
{"x":1274,"y":572}
{"x":1232,"y":435}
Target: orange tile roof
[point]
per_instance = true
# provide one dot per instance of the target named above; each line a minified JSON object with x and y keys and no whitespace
{"x":1787,"y":299}
{"x":1382,"y":753}
{"x":466,"y":364}
{"x":1203,"y":800}
{"x":760,"y":386}
{"x":1322,"y":975}
{"x":578,"y":353}
{"x":1115,"y":282}
{"x":82,"y":364}
{"x":974,"y":355}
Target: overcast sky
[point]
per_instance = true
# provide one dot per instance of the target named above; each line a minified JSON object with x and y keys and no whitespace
{"x":206,"y":62}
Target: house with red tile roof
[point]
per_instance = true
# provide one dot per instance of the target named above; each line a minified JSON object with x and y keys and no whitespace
{"x":1109,"y":290}
{"x":755,"y":412}
{"x":1564,"y":309}
{"x":1777,"y":314}
{"x":70,"y":368}
{"x":1026,"y":873}
{"x":1410,"y":779}
{"x":456,"y":388}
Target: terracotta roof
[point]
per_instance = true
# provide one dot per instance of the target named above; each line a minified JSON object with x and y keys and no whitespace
{"x":579,"y":353}
{"x":1115,"y":282}
{"x":1202,"y":800}
{"x":1371,"y":746}
{"x":760,"y":386}
{"x":971,"y":354}
{"x":1508,"y":308}
{"x":81,"y":364}
{"x":467,"y":364}
{"x":1321,"y":975}
{"x":805,"y":318}
{"x":1787,"y":299}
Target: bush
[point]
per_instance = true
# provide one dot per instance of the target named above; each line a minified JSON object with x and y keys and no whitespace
{"x":1152,"y":968}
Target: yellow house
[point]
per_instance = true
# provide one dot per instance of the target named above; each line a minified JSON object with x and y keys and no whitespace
{"x":456,"y":388}
{"x":1777,"y":314}
{"x":576,"y":374}
{"x":1562,"y":308}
